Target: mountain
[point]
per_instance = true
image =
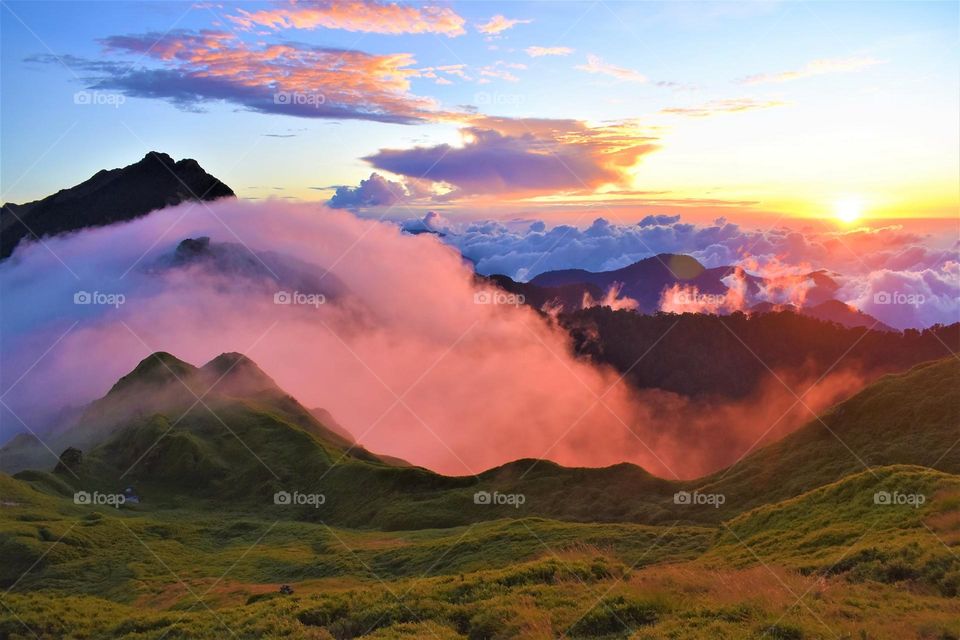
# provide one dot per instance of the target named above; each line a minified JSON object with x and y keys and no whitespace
{"x":694,"y":354}
{"x":265,"y":272}
{"x":110,"y":196}
{"x":567,"y":296}
{"x":244,"y":440}
{"x":844,"y":314}
{"x":644,"y":281}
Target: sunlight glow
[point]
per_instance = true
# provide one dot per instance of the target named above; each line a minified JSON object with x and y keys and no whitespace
{"x":848,"y":210}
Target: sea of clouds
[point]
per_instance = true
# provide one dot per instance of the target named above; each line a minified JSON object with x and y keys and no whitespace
{"x":905,"y":279}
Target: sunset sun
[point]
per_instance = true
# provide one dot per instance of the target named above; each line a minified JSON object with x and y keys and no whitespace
{"x":848,"y":210}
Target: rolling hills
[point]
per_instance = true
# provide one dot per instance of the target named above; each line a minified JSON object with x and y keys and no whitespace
{"x":225,"y":433}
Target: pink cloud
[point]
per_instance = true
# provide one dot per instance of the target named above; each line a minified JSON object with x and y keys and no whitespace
{"x":596,"y":65}
{"x":480,"y":384}
{"x":285,"y":78}
{"x":498,"y":24}
{"x":367,"y":16}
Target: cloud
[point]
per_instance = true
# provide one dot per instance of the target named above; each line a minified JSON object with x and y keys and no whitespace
{"x":595,"y":64}
{"x":524,"y":156}
{"x":501,"y":69}
{"x":366,"y":16}
{"x":375,"y":191}
{"x":401,"y":317}
{"x":538,"y":52}
{"x":498,"y":24}
{"x":910,"y":297}
{"x":431,"y":222}
{"x":882,"y":271}
{"x":197,"y":68}
{"x":715,"y":107}
{"x":455,"y":70}
{"x":815,"y":68}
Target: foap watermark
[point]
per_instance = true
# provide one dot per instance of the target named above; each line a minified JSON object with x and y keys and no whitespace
{"x":696,"y":498}
{"x":498,"y":297}
{"x":298,"y":499}
{"x":700,"y":299}
{"x":99,"y":298}
{"x":99,"y":499}
{"x":299,"y":298}
{"x":99,"y":98}
{"x":498,"y":99}
{"x":898,"y":297}
{"x":896,"y":498}
{"x":495,"y":497}
{"x":300,"y":98}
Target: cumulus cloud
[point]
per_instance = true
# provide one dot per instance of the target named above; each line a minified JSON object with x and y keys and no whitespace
{"x":375,"y":191}
{"x":292,"y":79}
{"x":367,"y":16}
{"x":539,"y":52}
{"x":910,"y":297}
{"x":524,"y":156}
{"x":498,"y":24}
{"x":479,"y":384}
{"x":814,"y":68}
{"x":596,"y":65}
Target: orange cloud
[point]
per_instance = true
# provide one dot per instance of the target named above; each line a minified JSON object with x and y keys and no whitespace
{"x":276,"y":78}
{"x":815,"y":68}
{"x":595,"y":64}
{"x":368,"y":16}
{"x":498,"y":24}
{"x":525,"y":157}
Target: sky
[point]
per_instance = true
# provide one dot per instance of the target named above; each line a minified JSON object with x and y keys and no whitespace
{"x":754,"y":111}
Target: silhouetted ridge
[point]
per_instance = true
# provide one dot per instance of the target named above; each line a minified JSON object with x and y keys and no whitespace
{"x":110,"y":196}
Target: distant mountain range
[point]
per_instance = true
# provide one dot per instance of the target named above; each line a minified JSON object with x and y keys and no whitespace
{"x":248,"y":439}
{"x":646,"y":280}
{"x":109,"y":196}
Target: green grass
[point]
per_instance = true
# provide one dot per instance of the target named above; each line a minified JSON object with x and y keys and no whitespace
{"x":800,"y":549}
{"x":862,"y":568}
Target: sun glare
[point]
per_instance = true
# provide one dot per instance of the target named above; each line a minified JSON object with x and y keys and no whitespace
{"x":848,"y":210}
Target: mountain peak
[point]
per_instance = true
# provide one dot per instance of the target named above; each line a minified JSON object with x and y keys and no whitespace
{"x":235,"y":374}
{"x":158,"y":155}
{"x":157,"y":369}
{"x":110,"y":196}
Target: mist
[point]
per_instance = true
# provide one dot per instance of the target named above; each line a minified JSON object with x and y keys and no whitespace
{"x":389,"y":332}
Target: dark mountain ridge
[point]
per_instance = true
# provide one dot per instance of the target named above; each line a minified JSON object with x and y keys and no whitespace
{"x":694,"y":354}
{"x":110,"y":196}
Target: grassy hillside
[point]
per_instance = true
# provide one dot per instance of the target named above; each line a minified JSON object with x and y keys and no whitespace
{"x":800,"y":547}
{"x":861,"y":570}
{"x":236,"y":455}
{"x":908,"y":418}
